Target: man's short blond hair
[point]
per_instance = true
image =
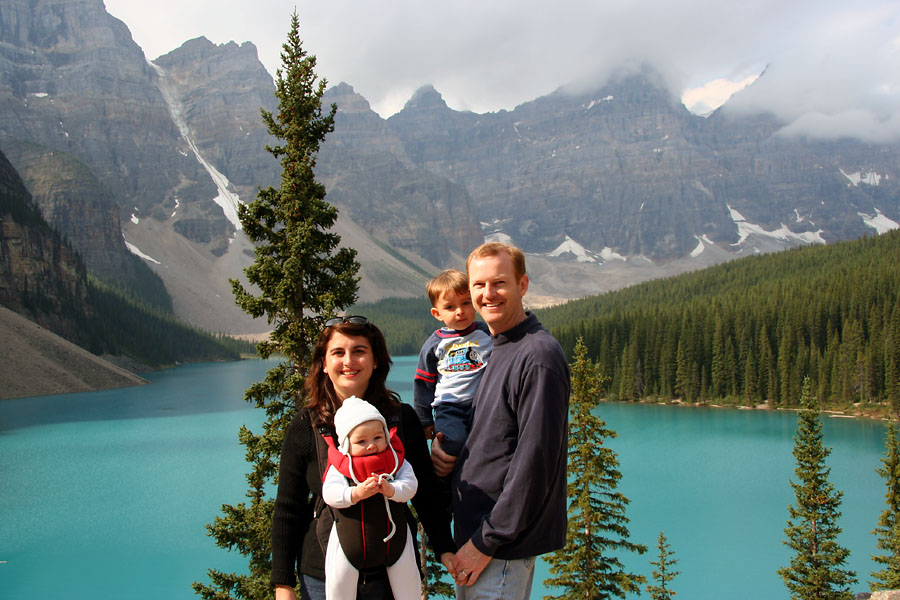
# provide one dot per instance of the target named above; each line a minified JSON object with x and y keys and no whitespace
{"x":450,"y":280}
{"x":493,"y":249}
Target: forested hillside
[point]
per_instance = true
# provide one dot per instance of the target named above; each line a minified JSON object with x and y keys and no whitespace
{"x":405,"y":322}
{"x":44,"y":279}
{"x":748,"y":331}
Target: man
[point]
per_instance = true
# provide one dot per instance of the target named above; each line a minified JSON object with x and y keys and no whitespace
{"x":509,"y":484}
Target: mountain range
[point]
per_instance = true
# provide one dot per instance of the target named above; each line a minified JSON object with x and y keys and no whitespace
{"x":602,"y":188}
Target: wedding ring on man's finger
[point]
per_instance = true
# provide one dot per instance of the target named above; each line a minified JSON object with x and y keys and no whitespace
{"x":463,"y":573}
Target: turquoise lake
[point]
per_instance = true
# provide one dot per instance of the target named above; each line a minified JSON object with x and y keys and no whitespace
{"x":106,"y":494}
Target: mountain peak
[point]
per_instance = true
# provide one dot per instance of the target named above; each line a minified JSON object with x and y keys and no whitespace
{"x":347,"y":99}
{"x":425,"y":98}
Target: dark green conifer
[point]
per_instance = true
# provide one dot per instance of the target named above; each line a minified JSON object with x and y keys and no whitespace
{"x":888,"y":530}
{"x":664,"y":572}
{"x":816,"y":570}
{"x":433,"y":583}
{"x":598,"y":528}
{"x":302,"y":278}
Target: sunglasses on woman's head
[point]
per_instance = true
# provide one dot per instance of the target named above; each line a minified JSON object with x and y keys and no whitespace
{"x":353,"y":320}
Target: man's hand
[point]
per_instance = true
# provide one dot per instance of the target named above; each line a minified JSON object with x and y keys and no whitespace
{"x":448,"y":559}
{"x":441,"y":462}
{"x":470,"y":562}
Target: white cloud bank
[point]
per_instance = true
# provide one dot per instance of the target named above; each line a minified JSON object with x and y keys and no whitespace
{"x":832,"y":67}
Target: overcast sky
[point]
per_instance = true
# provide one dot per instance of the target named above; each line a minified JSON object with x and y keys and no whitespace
{"x":832,"y":66}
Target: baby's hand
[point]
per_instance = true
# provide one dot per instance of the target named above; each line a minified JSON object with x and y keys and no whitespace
{"x":366,"y":489}
{"x":387,"y":488}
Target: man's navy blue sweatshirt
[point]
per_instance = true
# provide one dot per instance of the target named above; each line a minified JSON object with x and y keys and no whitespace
{"x":509,"y":493}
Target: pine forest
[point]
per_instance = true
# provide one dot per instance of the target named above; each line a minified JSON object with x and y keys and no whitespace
{"x":750,"y":331}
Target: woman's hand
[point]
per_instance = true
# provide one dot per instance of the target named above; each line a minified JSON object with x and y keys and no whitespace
{"x":441,"y":462}
{"x":285,"y":592}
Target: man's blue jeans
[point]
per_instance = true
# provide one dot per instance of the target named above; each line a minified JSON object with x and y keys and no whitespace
{"x":501,"y":580}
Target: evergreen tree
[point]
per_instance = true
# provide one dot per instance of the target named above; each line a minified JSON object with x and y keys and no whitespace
{"x":816,"y":568}
{"x":598,"y":527}
{"x":888,"y":530}
{"x":303,"y":278}
{"x":664,"y":572}
{"x":682,"y":377}
{"x":432,"y":584}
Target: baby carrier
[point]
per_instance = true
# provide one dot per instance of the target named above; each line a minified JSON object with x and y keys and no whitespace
{"x":370,"y":536}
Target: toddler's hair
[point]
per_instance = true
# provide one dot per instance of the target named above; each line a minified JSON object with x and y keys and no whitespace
{"x":450,"y":280}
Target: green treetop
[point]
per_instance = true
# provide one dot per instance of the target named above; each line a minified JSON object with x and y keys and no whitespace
{"x":816,"y":569}
{"x":303,"y":278}
{"x":888,"y":530}
{"x":587,"y":566}
{"x":664,"y":572}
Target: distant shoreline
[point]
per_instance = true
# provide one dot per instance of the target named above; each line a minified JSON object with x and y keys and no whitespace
{"x":879,"y":412}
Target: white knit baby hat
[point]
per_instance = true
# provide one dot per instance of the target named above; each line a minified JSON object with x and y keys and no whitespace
{"x":354,"y":411}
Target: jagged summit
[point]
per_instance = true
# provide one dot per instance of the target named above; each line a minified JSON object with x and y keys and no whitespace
{"x":201,"y":49}
{"x":347,"y":99}
{"x":426,"y":98}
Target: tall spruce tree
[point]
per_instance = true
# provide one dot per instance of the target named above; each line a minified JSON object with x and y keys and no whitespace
{"x":433,"y":583}
{"x":587,"y":566}
{"x":664,"y":572}
{"x":303,"y":278}
{"x":888,"y":530}
{"x":816,"y":570}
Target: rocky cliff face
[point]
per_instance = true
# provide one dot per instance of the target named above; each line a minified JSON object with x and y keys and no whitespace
{"x":628,"y":169}
{"x":82,"y":210}
{"x":72,"y":80}
{"x":40,"y":275}
{"x":806,"y":185}
{"x":370,"y":176}
{"x":220,"y":91}
{"x":603,"y":188}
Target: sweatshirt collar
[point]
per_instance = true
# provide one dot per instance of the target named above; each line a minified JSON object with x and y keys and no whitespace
{"x":519,"y":331}
{"x":447,"y":332}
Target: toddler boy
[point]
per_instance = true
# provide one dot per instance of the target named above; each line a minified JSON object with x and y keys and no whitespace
{"x":451,"y":362}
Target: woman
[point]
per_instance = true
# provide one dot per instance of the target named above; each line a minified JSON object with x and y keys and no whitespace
{"x":350,"y":359}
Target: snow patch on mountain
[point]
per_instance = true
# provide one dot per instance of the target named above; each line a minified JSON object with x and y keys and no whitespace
{"x":702,"y":242}
{"x":570,"y":246}
{"x":746,"y":229}
{"x":608,"y":254}
{"x":226,"y":199}
{"x":136,"y":251}
{"x":594,"y":103}
{"x":879,"y":222}
{"x":869,"y":178}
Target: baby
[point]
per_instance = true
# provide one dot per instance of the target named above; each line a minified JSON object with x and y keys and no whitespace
{"x":369,"y":482}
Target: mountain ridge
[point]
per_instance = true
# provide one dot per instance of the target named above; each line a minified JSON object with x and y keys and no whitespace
{"x":602,"y":187}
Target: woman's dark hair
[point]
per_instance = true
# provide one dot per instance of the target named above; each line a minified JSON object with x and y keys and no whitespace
{"x":323,"y":400}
